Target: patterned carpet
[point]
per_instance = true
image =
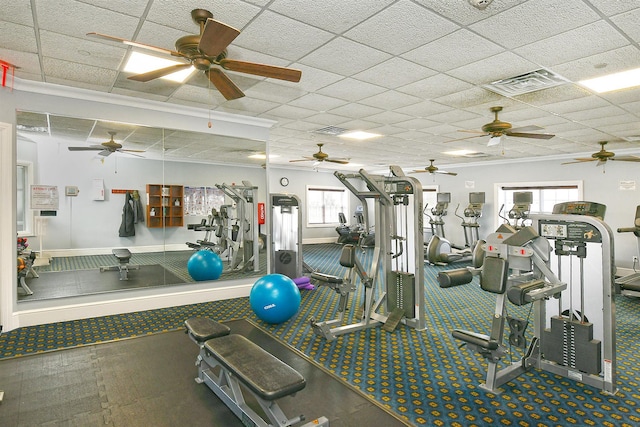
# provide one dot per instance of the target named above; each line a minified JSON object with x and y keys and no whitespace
{"x":421,"y":375}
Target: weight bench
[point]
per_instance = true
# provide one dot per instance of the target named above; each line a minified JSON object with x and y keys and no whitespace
{"x":123,"y":255}
{"x":230,"y":364}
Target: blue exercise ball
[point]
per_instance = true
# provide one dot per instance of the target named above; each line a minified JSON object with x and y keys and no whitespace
{"x":274,"y":298}
{"x":204,"y":265}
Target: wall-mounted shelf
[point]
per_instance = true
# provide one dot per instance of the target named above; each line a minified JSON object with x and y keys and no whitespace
{"x":164,"y":207}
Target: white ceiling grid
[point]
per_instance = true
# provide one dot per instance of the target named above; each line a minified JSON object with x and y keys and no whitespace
{"x":411,"y":70}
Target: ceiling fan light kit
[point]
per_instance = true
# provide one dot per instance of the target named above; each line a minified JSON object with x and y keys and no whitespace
{"x":320,"y":157}
{"x":207,"y":52}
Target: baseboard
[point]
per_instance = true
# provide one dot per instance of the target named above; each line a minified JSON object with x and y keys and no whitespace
{"x":102,"y":307}
{"x":57,"y":253}
{"x":317,"y":240}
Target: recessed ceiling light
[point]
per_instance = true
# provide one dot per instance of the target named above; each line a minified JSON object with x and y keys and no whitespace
{"x":139,"y":63}
{"x":262,"y":156}
{"x":615,"y":81}
{"x":359,"y":135}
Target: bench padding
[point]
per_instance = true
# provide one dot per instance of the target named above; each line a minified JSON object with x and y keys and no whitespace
{"x":264,"y":374}
{"x":123,"y":254}
{"x":203,"y":329}
{"x":326,"y":277}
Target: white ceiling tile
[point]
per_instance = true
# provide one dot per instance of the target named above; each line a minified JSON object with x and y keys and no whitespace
{"x":497,"y":67}
{"x":314,"y":79}
{"x":435,"y":87}
{"x":554,"y":94}
{"x":534,"y":20}
{"x":177,"y":13}
{"x":391,"y":100}
{"x":72,"y":71}
{"x":588,"y":40}
{"x":274,"y":92}
{"x":24,"y":40}
{"x":595,"y":113}
{"x":463,"y":13}
{"x":317,"y":102}
{"x":17,"y":12}
{"x":423,"y":109}
{"x":469,"y":97}
{"x":81,"y":51}
{"x":336,"y":16}
{"x":122,"y":6}
{"x":462,"y":47}
{"x":628,"y":22}
{"x":394,"y":73}
{"x":612,"y":61}
{"x":573,"y":105}
{"x":356,"y":110}
{"x":351,"y":90}
{"x":389,"y":117}
{"x":418,"y":24}
{"x":283,"y":37}
{"x":75,"y":19}
{"x":29,"y":63}
{"x":344,"y":57}
{"x":611,"y":8}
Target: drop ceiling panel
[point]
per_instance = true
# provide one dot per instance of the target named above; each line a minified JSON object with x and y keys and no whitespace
{"x":533,"y":21}
{"x":277,"y":35}
{"x":462,"y":47}
{"x":354,"y":57}
{"x":419,"y":26}
{"x":336,"y":16}
{"x":394,"y":73}
{"x":588,"y":40}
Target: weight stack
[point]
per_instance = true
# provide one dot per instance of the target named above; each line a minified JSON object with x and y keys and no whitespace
{"x":570,"y":343}
{"x":401,"y":292}
{"x":285,"y":263}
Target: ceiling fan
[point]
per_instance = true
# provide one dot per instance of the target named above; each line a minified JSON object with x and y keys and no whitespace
{"x":433,"y":169}
{"x":603,"y":156}
{"x":321,"y":156}
{"x":497,"y":128}
{"x":107,"y":148}
{"x":207,"y":52}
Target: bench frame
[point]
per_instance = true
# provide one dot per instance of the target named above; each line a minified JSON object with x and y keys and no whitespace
{"x":228,"y":387}
{"x":123,"y":267}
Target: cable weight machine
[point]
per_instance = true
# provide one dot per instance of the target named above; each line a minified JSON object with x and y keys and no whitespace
{"x":393,"y":284}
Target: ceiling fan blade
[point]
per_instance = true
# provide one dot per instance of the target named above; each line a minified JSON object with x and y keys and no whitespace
{"x":580,"y":160}
{"x":271,"y":71}
{"x":419,"y":171}
{"x":92,"y":148}
{"x":227,"y":88}
{"x":145,"y":77}
{"x":525,"y":129}
{"x":447,"y":173}
{"x":626,"y":158}
{"x":472,"y":131}
{"x":479,"y":135}
{"x":105,"y":153}
{"x":137,"y":44}
{"x":530,"y":135}
{"x":306,"y":159}
{"x":216,"y":37}
{"x":339,"y":161}
{"x":131,"y":151}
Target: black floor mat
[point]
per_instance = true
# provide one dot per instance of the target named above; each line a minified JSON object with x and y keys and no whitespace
{"x":60,"y":284}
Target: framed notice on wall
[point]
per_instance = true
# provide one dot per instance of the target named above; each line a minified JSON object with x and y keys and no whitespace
{"x":44,"y":197}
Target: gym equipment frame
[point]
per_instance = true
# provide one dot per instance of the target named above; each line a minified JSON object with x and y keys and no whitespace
{"x":392,"y":293}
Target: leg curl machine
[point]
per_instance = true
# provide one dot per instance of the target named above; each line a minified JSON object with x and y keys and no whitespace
{"x":231,"y":365}
{"x":575,"y":343}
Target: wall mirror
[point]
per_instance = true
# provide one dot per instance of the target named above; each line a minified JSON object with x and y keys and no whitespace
{"x":76,"y":176}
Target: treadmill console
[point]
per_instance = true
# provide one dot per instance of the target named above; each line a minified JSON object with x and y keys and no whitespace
{"x":580,"y":208}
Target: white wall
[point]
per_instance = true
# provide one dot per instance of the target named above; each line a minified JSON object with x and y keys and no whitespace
{"x":598,"y":187}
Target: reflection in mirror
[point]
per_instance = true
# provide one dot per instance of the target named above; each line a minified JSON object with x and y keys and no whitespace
{"x":105,"y":206}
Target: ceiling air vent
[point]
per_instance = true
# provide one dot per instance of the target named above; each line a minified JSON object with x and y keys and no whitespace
{"x":530,"y":82}
{"x":330,"y":130}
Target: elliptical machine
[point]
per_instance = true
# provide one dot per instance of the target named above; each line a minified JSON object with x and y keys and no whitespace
{"x":439,"y":250}
{"x":519,"y":213}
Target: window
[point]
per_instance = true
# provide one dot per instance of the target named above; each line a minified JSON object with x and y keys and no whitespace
{"x":545,"y":195}
{"x":23,"y":213}
{"x":324,"y":204}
